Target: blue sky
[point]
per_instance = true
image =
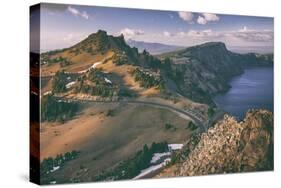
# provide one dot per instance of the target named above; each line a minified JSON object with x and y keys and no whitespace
{"x":65,"y":25}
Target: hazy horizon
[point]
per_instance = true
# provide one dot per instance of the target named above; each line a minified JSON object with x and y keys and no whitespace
{"x":65,"y":25}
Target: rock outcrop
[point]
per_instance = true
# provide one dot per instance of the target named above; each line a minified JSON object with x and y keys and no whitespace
{"x":231,"y":146}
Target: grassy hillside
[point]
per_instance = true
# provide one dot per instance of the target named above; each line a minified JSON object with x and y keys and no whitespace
{"x":108,"y":134}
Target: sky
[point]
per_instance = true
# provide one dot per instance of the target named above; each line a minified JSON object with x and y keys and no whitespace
{"x":65,"y":25}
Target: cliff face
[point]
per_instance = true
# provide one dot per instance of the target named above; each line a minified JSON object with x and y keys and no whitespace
{"x":206,"y":69}
{"x":230,"y":146}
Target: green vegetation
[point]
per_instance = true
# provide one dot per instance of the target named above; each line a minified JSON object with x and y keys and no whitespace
{"x":50,"y":164}
{"x":149,"y":61}
{"x":175,"y":73}
{"x":191,"y":126}
{"x":180,"y":156}
{"x":147,"y":79}
{"x":53,"y":110}
{"x":124,"y":92}
{"x":64,"y":62}
{"x":110,"y":112}
{"x":98,"y":90}
{"x":175,"y":158}
{"x":168,"y":126}
{"x":195,"y":93}
{"x":211,"y":112}
{"x":58,"y":82}
{"x":130,"y":168}
{"x":120,"y":58}
{"x":94,"y":84}
{"x":47,"y":57}
{"x":97,"y":76}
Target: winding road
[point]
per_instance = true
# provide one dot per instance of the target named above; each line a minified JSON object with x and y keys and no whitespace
{"x":198,"y":119}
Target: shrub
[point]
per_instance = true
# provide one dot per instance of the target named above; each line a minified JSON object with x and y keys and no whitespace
{"x":168,"y":126}
{"x":191,"y":126}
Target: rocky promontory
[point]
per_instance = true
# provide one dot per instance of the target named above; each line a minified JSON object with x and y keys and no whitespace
{"x":228,"y":147}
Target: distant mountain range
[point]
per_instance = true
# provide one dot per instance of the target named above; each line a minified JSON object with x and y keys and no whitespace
{"x":251,"y":49}
{"x":152,"y":47}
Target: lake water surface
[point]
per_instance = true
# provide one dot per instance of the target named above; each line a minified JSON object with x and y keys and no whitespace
{"x":253,"y":89}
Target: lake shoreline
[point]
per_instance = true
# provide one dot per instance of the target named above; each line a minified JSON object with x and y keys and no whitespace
{"x":255,"y":84}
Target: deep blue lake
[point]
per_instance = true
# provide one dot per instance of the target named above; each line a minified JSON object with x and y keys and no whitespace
{"x":253,"y":89}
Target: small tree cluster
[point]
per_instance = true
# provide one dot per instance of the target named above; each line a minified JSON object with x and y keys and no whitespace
{"x":48,"y":164}
{"x":146,"y":79}
{"x":53,"y":110}
{"x":58,"y":82}
{"x":191,"y":126}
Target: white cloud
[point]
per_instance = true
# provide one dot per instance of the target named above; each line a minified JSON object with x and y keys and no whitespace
{"x":243,"y":35}
{"x":252,"y":35}
{"x":181,"y":34}
{"x":78,"y":13}
{"x":207,"y":17}
{"x":211,"y":17}
{"x":68,"y":37}
{"x":73,"y":37}
{"x":245,"y":29}
{"x":201,"y":20}
{"x":130,"y":33}
{"x":186,"y":16}
{"x":167,"y":34}
{"x":208,"y":33}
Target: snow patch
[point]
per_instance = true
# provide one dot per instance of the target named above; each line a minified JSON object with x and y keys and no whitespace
{"x":107,"y":80}
{"x":47,"y":93}
{"x":175,"y":146}
{"x":92,"y":67}
{"x":95,"y":65}
{"x":70,"y":84}
{"x":157,"y":156}
{"x":55,"y":168}
{"x":83,"y":71}
{"x":152,"y":169}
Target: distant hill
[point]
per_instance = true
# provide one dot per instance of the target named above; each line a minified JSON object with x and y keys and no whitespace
{"x":153,"y":48}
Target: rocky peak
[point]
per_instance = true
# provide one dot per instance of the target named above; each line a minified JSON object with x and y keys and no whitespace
{"x":213,"y":45}
{"x":232,"y":146}
{"x":99,"y":33}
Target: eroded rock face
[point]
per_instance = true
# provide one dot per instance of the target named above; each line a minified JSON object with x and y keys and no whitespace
{"x":256,"y":143}
{"x":232,"y":146}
